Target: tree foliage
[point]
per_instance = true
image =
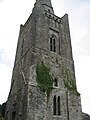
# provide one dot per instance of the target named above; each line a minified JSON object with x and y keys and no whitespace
{"x":2,"y":111}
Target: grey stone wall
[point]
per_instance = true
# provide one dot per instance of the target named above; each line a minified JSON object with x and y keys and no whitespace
{"x":70,"y":102}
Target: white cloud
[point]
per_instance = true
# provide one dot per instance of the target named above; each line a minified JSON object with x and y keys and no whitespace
{"x":82,"y":75}
{"x":5,"y":76}
{"x":12,"y":14}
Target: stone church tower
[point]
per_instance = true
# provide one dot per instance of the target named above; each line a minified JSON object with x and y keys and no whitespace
{"x":43,"y":83}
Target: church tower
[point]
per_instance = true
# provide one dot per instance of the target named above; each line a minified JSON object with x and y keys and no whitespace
{"x":43,"y":85}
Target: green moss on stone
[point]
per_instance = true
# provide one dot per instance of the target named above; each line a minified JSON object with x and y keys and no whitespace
{"x":44,"y":79}
{"x":69,"y":82}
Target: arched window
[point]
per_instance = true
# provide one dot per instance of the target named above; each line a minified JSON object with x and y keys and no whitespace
{"x":53,"y":43}
{"x":55,"y":82}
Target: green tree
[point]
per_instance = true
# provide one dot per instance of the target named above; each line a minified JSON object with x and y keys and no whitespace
{"x":3,"y":107}
{"x":1,"y":118}
{"x":0,"y":110}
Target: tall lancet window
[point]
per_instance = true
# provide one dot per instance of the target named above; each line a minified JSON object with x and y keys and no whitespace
{"x":56,"y":106}
{"x":53,"y":43}
{"x":59,"y":112}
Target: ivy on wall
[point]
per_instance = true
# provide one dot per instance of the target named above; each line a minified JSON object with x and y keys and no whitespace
{"x":44,"y":79}
{"x":69,"y":82}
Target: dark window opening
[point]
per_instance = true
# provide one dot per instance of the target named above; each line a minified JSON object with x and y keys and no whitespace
{"x":54,"y":47}
{"x":55,"y":82}
{"x":46,"y":14}
{"x":54,"y":41}
{"x":59,"y":113}
{"x":49,"y":16}
{"x":54,"y":105}
{"x":13,"y":115}
{"x":50,"y":47}
{"x":48,"y":10}
{"x":51,"y":41}
{"x":54,"y":50}
{"x":52,"y":44}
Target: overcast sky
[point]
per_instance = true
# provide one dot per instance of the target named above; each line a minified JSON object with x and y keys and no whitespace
{"x":15,"y":12}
